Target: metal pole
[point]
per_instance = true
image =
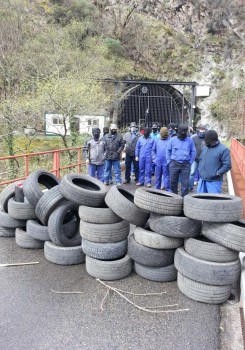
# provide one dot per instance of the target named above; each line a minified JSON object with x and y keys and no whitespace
{"x":193,"y":104}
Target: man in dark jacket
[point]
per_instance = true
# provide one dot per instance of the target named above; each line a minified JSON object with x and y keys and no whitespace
{"x":114,"y":145}
{"x":214,"y":162}
{"x":180,"y":155}
{"x":94,"y":152}
{"x":131,"y":137}
{"x":199,"y":143}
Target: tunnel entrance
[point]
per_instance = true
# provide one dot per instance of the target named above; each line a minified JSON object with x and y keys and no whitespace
{"x":148,"y":102}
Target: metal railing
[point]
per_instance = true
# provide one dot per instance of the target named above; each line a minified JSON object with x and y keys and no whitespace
{"x":26,"y":161}
{"x":238,"y":152}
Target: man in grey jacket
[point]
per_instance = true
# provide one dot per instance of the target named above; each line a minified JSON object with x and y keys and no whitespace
{"x":94,"y":152}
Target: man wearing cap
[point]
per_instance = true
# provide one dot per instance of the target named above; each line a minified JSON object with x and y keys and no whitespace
{"x":214,"y":162}
{"x":131,"y":137}
{"x":154,"y":135}
{"x":94,"y":152}
{"x":114,"y":144}
{"x":199,"y":143}
{"x":143,"y":154}
{"x":180,"y":155}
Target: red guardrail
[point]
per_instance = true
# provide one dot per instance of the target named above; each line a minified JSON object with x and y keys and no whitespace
{"x":57,"y":168}
{"x":238,"y":152}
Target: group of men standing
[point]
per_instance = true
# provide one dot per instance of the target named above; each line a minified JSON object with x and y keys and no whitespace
{"x":171,"y":153}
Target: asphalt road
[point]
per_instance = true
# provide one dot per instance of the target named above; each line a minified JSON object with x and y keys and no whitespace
{"x":33,"y":317}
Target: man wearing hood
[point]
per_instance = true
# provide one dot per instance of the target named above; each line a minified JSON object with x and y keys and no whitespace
{"x":180,"y":155}
{"x":214,"y":162}
{"x":199,"y":143}
{"x":131,"y":137}
{"x":114,"y":145}
{"x":94,"y":152}
{"x":143,"y":154}
{"x":159,"y":157}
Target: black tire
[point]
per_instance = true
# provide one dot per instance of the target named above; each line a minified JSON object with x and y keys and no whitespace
{"x":204,"y":293}
{"x":57,"y":230}
{"x":104,"y":233}
{"x":176,"y":226}
{"x":158,"y":201}
{"x":63,"y":255}
{"x":22,"y":211}
{"x":105,"y":251}
{"x":32,"y":185}
{"x":7,"y":232}
{"x":36,"y":230}
{"x":7,"y":221}
{"x":109,"y":270}
{"x":7,"y":193}
{"x":207,"y":272}
{"x":157,"y":274}
{"x":213,"y":207}
{"x":98,"y":215}
{"x":151,"y":239}
{"x":231,"y":236}
{"x":121,"y":201}
{"x":23,"y":240}
{"x":47,"y":203}
{"x":83,"y":189}
{"x":149,"y":256}
{"x":202,"y":248}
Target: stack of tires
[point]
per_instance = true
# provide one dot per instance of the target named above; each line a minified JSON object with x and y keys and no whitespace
{"x":208,"y":265}
{"x":152,"y":247}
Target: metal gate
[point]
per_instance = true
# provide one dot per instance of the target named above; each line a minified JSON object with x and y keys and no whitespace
{"x":146,"y":104}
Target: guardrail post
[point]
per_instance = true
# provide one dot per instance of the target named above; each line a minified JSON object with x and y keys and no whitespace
{"x":79,"y":160}
{"x":56,"y":165}
{"x":26,"y":166}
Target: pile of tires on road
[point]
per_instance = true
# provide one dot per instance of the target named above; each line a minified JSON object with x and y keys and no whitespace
{"x":158,"y":234}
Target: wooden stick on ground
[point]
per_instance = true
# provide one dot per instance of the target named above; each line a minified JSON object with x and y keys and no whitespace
{"x":19,"y":264}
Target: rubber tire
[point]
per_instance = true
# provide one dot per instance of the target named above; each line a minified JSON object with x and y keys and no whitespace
{"x":151,"y":239}
{"x":23,"y":240}
{"x":7,"y":193}
{"x":231,"y":236}
{"x":207,"y":272}
{"x":104,"y":233}
{"x":21,"y":210}
{"x":36,"y":230}
{"x":204,"y":249}
{"x":213,"y":207}
{"x":149,"y":256}
{"x":158,"y":201}
{"x":31,"y":186}
{"x":63,"y":255}
{"x":109,"y":270}
{"x":121,"y":201}
{"x":83,"y":189}
{"x":47,"y":203}
{"x":105,"y":251}
{"x":209,"y":294}
{"x":57,"y":230}
{"x":7,"y":232}
{"x":176,"y":226}
{"x":8,"y":222}
{"x":157,"y":274}
{"x":98,"y":215}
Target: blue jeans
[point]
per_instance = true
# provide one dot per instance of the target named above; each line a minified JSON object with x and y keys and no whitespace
{"x":96,"y":171}
{"x":117,"y":170}
{"x":179,"y":171}
{"x":209,"y":186}
{"x":162,"y":177}
{"x":194,"y":167}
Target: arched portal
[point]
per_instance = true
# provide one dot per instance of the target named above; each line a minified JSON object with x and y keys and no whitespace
{"x":148,"y":103}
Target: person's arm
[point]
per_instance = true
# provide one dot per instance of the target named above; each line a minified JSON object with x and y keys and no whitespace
{"x":193,"y":151}
{"x":154,"y":148}
{"x":137,"y":149}
{"x":169,"y":151}
{"x":86,"y":151}
{"x":226,"y":162}
{"x":121,"y":145}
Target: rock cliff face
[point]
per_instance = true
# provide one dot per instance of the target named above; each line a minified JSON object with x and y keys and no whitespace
{"x":216,"y":30}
